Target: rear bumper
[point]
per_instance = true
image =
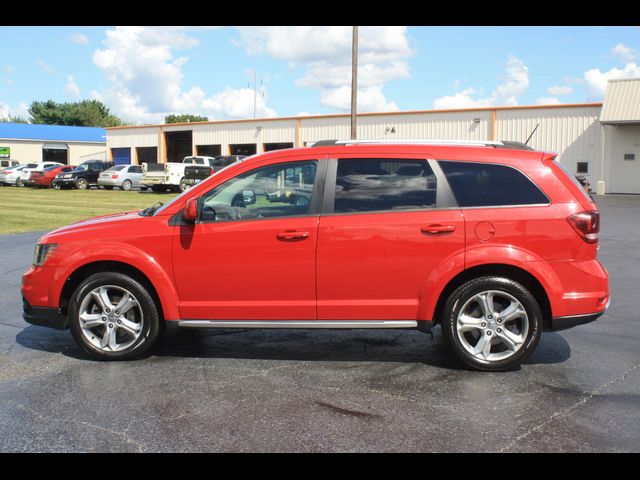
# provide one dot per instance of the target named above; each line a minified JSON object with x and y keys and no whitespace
{"x":156,"y":181}
{"x":43,"y":316}
{"x":109,"y":182}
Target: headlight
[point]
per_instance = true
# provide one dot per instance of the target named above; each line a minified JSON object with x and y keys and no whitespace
{"x":43,"y":251}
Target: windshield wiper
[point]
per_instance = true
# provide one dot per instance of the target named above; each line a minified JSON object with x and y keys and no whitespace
{"x":149,"y":211}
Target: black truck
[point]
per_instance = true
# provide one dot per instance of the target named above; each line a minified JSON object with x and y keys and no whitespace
{"x":83,"y":176}
{"x":196,"y":173}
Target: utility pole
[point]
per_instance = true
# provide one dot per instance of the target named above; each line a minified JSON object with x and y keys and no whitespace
{"x":354,"y":83}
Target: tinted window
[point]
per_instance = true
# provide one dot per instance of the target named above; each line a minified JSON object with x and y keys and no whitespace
{"x":135,"y":169}
{"x":279,"y":190}
{"x":487,"y":185}
{"x":368,"y":184}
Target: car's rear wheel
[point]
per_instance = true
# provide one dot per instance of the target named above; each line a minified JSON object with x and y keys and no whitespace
{"x":82,"y":184}
{"x":493,"y":323}
{"x":113,"y":317}
{"x":19,"y":183}
{"x":126,"y":185}
{"x":184,"y":186}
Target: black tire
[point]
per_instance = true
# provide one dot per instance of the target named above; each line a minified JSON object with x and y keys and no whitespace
{"x":466,"y":292}
{"x":126,"y":185}
{"x":184,"y":186}
{"x":82,"y":184}
{"x":19,"y":183}
{"x":151,"y":324}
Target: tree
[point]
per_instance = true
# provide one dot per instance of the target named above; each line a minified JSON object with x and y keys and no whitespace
{"x":87,"y":113}
{"x":184,"y":118}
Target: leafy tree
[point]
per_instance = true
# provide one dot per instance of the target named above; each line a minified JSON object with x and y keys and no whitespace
{"x":184,"y":118}
{"x":86,"y":113}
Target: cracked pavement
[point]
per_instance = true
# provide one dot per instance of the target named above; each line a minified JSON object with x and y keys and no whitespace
{"x":328,"y":391}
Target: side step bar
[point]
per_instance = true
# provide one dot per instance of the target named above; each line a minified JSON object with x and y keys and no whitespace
{"x":298,"y":323}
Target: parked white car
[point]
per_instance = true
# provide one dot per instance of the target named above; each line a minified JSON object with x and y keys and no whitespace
{"x":124,"y":177}
{"x":25,"y":173}
{"x":9,"y":176}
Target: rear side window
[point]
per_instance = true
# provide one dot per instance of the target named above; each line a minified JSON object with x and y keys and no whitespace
{"x":379,"y":184}
{"x":490,"y":185}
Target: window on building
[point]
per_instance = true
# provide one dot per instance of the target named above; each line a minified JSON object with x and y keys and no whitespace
{"x":629,"y":156}
{"x":381,"y":184}
{"x":487,"y":185}
{"x":582,"y":167}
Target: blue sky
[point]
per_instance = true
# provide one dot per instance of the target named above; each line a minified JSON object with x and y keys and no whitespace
{"x":143,"y":73}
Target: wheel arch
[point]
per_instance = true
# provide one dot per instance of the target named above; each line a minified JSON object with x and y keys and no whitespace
{"x":78,"y":275}
{"x":512,"y":272}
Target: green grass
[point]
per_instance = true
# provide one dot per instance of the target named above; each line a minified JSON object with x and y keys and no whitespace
{"x":30,"y":209}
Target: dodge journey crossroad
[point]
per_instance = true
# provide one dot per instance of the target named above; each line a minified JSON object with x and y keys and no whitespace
{"x":493,"y":241}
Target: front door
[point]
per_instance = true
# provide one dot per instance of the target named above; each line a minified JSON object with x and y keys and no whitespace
{"x":385,"y":230}
{"x":251,"y":254}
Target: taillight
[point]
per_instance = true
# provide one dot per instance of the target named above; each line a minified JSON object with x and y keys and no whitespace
{"x":587,"y":224}
{"x":210,"y":171}
{"x":115,"y":175}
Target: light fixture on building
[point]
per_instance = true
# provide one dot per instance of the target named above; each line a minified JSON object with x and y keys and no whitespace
{"x":391,"y":129}
{"x":476,"y":120}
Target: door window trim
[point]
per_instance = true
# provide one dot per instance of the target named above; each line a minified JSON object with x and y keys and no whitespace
{"x":314,"y":205}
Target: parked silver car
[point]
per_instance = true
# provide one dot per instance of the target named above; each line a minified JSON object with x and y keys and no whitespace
{"x":125,"y":177}
{"x":11,"y":175}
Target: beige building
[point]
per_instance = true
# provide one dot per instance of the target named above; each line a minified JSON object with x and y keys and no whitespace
{"x":29,"y":143}
{"x":587,"y":139}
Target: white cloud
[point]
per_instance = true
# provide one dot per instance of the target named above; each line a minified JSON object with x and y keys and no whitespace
{"x":146,"y":78}
{"x":45,"y":67}
{"x":548,"y":101}
{"x":596,"y":80}
{"x":6,"y":111}
{"x":8,"y":82}
{"x":507,"y":93}
{"x":559,"y":90}
{"x":8,"y":69}
{"x":71,"y":89}
{"x":79,"y":38}
{"x":624,"y":53}
{"x":326,"y":54}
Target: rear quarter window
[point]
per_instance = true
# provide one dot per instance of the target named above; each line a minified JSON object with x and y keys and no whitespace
{"x":490,"y":185}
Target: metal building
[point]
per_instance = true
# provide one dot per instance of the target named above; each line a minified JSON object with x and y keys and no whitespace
{"x":28,"y":143}
{"x":576,"y":132}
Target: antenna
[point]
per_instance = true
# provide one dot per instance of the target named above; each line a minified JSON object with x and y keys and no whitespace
{"x":255,"y":91}
{"x":534,"y":131}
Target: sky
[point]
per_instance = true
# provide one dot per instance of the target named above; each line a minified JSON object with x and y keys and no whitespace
{"x":145,"y":73}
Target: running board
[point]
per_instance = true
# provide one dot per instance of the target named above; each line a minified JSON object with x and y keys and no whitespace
{"x":298,"y":323}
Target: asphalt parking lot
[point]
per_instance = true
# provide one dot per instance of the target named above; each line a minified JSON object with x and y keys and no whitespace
{"x":347,"y":391}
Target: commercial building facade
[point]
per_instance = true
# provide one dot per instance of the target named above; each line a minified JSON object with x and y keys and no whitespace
{"x":585,"y":146}
{"x":29,"y":143}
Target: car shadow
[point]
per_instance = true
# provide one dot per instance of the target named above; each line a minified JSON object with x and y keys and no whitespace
{"x":405,"y":346}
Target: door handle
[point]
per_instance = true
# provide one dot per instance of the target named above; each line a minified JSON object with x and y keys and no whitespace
{"x":436,"y":228}
{"x":291,"y":235}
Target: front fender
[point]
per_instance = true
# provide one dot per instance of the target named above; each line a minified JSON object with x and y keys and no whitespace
{"x":127,"y":254}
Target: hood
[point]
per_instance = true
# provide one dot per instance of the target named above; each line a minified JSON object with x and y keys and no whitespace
{"x":109,"y":225}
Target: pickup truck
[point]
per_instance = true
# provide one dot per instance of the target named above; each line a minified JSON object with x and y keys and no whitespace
{"x":170,"y":175}
{"x":196,"y":173}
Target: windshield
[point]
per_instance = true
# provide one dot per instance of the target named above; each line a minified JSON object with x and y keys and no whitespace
{"x":82,"y":168}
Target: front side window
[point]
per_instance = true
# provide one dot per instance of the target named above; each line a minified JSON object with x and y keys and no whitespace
{"x":380,"y":184}
{"x":280,"y":190}
{"x":490,"y":185}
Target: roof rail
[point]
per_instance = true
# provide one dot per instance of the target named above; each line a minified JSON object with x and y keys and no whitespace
{"x":477,"y":143}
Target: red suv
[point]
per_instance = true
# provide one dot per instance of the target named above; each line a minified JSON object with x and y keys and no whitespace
{"x":493,"y":241}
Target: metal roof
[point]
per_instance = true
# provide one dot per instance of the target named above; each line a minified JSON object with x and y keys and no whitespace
{"x":28,"y":131}
{"x":621,"y":102}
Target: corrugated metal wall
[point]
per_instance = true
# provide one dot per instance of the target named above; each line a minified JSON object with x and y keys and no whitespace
{"x":573,"y":132}
{"x":132,"y":137}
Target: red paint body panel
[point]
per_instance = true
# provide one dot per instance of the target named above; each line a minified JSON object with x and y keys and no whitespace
{"x":45,"y":177}
{"x":384,"y":265}
{"x":373,"y":266}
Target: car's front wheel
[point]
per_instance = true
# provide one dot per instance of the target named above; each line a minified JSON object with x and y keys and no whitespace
{"x":126,"y":185}
{"x":492,"y":323}
{"x":113,"y":317}
{"x":82,"y":184}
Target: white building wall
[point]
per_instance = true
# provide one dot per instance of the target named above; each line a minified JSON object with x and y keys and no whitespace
{"x":623,"y":176}
{"x":256,"y":132}
{"x":133,"y":137}
{"x":573,"y":132}
{"x":27,"y":151}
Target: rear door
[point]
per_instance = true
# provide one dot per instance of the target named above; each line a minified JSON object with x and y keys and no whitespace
{"x":387,"y":223}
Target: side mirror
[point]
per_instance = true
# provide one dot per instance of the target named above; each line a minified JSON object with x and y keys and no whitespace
{"x":190,"y":212}
{"x":249,"y":197}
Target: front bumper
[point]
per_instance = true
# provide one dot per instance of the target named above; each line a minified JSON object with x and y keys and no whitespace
{"x":43,"y":316}
{"x":64,"y":182}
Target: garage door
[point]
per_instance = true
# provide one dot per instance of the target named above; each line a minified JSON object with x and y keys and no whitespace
{"x":121,"y":156}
